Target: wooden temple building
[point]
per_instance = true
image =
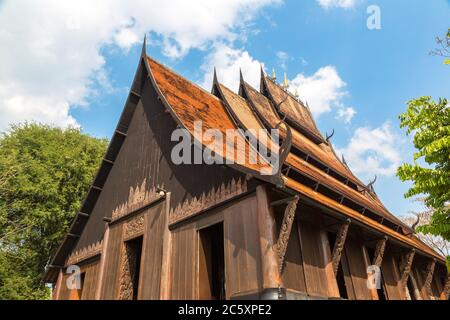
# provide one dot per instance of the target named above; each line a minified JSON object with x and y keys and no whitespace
{"x":152,"y":229}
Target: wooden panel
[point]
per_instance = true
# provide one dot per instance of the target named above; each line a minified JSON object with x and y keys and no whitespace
{"x":90,"y":271}
{"x":316,"y":261}
{"x":183,"y":270}
{"x":151,"y":262}
{"x":420,"y":276}
{"x":294,"y":276}
{"x":391,"y":278}
{"x":90,"y":280}
{"x":347,"y":276}
{"x":355,"y":260}
{"x":242,"y":252}
{"x":112,"y":263}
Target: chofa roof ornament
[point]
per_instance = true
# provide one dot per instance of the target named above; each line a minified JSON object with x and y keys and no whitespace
{"x":330,"y":136}
{"x":370,"y":185}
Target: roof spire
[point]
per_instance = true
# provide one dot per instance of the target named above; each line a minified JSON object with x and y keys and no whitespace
{"x":215,"y":76}
{"x":285,"y":82}
{"x":274,"y":74}
{"x":241,"y":77}
{"x":144,"y":46}
{"x":296,"y":95}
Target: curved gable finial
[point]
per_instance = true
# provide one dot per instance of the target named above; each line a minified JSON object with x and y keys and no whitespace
{"x":215,"y":90}
{"x":215,"y":80}
{"x":330,"y":136}
{"x":144,"y":46}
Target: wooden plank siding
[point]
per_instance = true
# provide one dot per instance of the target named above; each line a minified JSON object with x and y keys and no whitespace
{"x":151,"y":262}
{"x":112,"y":255}
{"x":391,"y":277}
{"x":90,"y":270}
{"x":294,"y":274}
{"x":316,"y":254}
{"x":355,"y":261}
{"x":241,"y":250}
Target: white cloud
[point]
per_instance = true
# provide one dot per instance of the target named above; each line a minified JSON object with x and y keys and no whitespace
{"x":373,"y":151}
{"x":282,"y":59}
{"x":346,"y":4}
{"x":346,"y":114}
{"x":323,"y":90}
{"x":228,"y":61}
{"x":51,"y":58}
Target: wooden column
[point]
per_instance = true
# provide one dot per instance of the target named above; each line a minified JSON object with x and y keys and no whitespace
{"x":339,"y":245}
{"x":57,"y":293}
{"x":445,"y":295}
{"x":166,"y":254}
{"x":429,"y":278}
{"x":267,"y":239}
{"x":333,"y":288}
{"x":416,"y":292}
{"x":101,"y":272}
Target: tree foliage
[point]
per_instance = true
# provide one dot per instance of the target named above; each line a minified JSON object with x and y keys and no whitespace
{"x":45,"y":172}
{"x":429,"y":122}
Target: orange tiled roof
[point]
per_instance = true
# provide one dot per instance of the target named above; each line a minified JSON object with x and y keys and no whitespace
{"x":244,"y":113}
{"x":293,"y":110}
{"x":321,"y":152}
{"x":190,"y":103}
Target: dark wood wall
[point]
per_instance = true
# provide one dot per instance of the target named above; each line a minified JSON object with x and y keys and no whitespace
{"x":90,"y":269}
{"x":151,"y":257}
{"x":355,"y":263}
{"x":145,"y":156}
{"x":391,"y":277}
{"x":241,"y":247}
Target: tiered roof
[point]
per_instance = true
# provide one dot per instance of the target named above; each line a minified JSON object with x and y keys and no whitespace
{"x":319,"y":174}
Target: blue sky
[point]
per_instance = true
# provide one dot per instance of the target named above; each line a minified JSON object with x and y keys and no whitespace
{"x":80,"y":60}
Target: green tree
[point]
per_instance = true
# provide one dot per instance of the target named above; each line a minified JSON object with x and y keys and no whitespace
{"x":429,"y":122}
{"x":45,"y":172}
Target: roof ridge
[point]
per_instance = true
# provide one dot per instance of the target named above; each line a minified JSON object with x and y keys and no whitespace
{"x":183,"y":77}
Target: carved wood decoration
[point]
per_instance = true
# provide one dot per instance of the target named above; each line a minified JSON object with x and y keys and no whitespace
{"x":127,"y":267}
{"x":85,"y":253}
{"x":406,"y":270}
{"x":445,"y":295}
{"x":339,"y":245}
{"x":285,"y":231}
{"x":138,"y":197}
{"x":379,"y":252}
{"x":206,"y":201}
{"x":134,"y":227}
{"x":429,"y":276}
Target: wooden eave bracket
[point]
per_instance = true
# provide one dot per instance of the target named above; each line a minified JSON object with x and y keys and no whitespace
{"x":406,"y":270}
{"x":379,"y":252}
{"x":339,"y":245}
{"x":429,"y":278}
{"x":285,"y":231}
